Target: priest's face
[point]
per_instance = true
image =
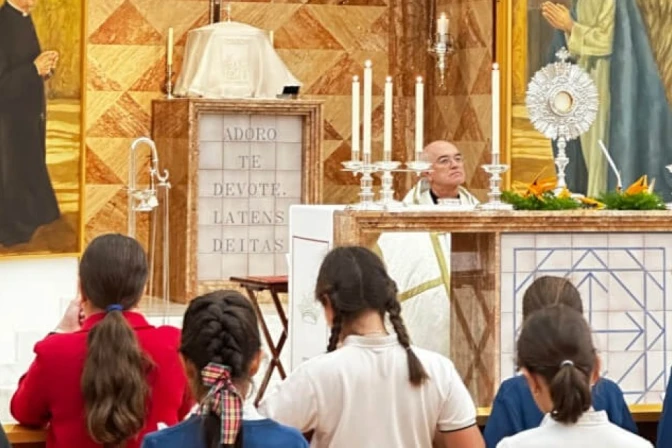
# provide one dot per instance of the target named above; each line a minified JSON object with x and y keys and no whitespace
{"x":447,"y":165}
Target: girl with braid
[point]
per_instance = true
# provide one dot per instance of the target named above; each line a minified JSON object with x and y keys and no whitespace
{"x":108,"y":379}
{"x":221,"y":350}
{"x":372,"y":388}
{"x":559,"y":362}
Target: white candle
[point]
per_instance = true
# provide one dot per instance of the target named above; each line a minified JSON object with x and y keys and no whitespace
{"x":419,"y":118}
{"x":368,"y":88}
{"x":387,"y":121}
{"x":495,"y":110}
{"x":170,"y":46}
{"x":442,"y":24}
{"x":355,"y":118}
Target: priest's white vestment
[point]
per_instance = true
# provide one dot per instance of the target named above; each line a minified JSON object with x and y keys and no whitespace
{"x":419,"y":262}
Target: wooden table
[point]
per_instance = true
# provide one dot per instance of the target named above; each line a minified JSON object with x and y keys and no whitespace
{"x":276,"y":285}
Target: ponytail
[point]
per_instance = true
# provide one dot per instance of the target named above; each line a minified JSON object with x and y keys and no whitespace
{"x":113,"y":382}
{"x":570,"y":393}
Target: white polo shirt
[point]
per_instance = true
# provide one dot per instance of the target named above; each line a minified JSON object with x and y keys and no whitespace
{"x":592,"y":430}
{"x":360,"y":396}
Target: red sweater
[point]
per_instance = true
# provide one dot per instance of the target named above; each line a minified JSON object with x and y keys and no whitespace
{"x":50,"y":392}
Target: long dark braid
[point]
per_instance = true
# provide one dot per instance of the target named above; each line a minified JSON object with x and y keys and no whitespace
{"x":353,"y":280}
{"x":220,"y":327}
{"x":416,"y":372}
{"x":335,"y":336}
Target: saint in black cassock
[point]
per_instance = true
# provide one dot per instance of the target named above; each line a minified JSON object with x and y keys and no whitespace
{"x":27,"y":199}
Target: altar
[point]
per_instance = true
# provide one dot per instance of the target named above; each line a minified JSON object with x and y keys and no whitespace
{"x":619,"y":260}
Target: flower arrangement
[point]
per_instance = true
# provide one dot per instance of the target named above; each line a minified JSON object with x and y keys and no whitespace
{"x":539,"y":195}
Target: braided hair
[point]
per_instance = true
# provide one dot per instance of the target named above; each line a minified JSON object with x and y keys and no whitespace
{"x":353,"y":280}
{"x":220,"y":327}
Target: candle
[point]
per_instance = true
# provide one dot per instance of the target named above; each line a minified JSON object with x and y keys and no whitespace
{"x":270,"y":37}
{"x":419,"y":118}
{"x":442,"y":24}
{"x":368,"y":87}
{"x":355,"y":118}
{"x":495,"y":110}
{"x":170,"y":46}
{"x":387,"y":121}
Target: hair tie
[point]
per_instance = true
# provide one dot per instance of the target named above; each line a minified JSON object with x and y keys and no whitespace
{"x":567,"y":362}
{"x":223,"y":400}
{"x":114,"y":307}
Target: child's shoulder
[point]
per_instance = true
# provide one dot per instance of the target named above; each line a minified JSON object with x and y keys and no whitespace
{"x":186,"y":433}
{"x":267,"y":433}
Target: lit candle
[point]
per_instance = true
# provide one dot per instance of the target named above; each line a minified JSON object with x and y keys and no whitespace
{"x":419,"y":118}
{"x":495,"y":110}
{"x":442,"y":24}
{"x":387,"y":121}
{"x":355,"y":118}
{"x":271,"y":37}
{"x":368,"y":87}
{"x":170,"y":46}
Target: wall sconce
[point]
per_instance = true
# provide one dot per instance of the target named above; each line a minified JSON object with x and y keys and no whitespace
{"x":442,"y":46}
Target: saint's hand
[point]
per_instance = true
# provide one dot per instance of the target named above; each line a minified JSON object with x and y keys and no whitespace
{"x":46,"y":62}
{"x":558,"y":16}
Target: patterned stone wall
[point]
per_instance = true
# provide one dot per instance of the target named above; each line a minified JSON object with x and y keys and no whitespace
{"x":323,"y":42}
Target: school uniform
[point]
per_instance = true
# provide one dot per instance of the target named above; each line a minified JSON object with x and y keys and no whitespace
{"x":258,"y":432}
{"x":514,"y":409}
{"x":50,"y":392}
{"x":360,"y":396}
{"x":592,"y":430}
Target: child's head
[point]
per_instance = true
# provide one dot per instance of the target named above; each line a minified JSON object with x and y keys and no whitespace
{"x":557,"y":357}
{"x":112,"y":273}
{"x":221,"y":348}
{"x":353,"y":283}
{"x":549,"y":291}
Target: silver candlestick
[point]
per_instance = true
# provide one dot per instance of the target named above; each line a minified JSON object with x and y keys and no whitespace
{"x":365,"y":168}
{"x":169,"y":82}
{"x":495,"y":170}
{"x":387,"y":186}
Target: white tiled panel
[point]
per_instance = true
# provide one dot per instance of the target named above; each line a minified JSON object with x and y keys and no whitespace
{"x":240,"y":187}
{"x":623,"y":280}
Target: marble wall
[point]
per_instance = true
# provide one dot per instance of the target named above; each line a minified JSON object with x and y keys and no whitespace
{"x":324,"y":43}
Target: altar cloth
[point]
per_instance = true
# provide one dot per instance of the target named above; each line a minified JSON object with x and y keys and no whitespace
{"x":231,"y":60}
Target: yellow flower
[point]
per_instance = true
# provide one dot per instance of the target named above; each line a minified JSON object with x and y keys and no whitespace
{"x":592,"y":203}
{"x":639,"y":186}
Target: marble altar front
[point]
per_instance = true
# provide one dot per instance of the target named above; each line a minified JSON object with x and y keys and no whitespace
{"x":620,"y":261}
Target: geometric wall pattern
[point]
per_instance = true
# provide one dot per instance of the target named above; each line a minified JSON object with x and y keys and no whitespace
{"x":324,"y":43}
{"x":625,"y":287}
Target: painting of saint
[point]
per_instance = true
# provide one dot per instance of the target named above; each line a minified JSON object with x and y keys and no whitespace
{"x":40,"y":128}
{"x":615,"y":42}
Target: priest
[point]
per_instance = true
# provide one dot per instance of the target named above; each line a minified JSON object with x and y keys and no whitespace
{"x":419,"y":262}
{"x":27,"y":198}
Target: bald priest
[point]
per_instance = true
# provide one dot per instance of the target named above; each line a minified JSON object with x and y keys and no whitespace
{"x":419,"y":262}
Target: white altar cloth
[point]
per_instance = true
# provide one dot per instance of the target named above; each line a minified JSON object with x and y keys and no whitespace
{"x":231,"y":60}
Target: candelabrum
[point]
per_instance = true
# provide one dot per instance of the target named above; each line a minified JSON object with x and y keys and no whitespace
{"x":366,"y":169}
{"x":440,"y":48}
{"x":387,"y":167}
{"x":169,"y":81}
{"x":495,"y":170}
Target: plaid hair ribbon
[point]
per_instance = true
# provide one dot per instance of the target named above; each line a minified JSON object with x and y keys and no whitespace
{"x":223,"y":399}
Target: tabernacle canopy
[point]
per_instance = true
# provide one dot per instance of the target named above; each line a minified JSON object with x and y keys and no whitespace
{"x":231,"y":60}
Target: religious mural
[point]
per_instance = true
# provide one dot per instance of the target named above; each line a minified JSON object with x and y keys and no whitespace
{"x":626,"y":47}
{"x":40,"y":127}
